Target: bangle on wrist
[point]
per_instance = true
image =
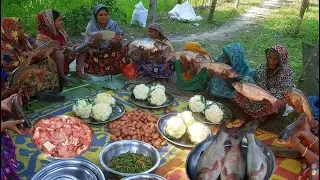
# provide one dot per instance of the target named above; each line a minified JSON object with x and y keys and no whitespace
{"x":313,"y":142}
{"x":305,"y":152}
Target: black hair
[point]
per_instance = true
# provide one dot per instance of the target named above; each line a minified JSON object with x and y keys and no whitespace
{"x":55,"y":14}
{"x":103,"y":8}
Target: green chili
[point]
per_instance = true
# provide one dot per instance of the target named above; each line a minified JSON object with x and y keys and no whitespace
{"x":130,"y":162}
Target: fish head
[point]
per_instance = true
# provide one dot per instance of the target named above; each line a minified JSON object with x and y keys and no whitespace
{"x":293,"y":130}
{"x":236,"y":138}
{"x":237,"y":85}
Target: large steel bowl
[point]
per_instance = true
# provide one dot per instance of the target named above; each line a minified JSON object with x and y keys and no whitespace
{"x":120,"y":147}
{"x":75,"y":169}
{"x":144,"y":176}
{"x":194,"y":156}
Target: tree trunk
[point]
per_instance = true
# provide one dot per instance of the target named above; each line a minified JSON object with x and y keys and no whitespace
{"x":212,"y":9}
{"x":304,"y":5}
{"x":151,"y":15}
{"x":179,"y":2}
{"x":236,"y":4}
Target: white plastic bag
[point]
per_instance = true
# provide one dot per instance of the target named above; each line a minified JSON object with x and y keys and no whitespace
{"x":139,"y":15}
{"x":184,"y":12}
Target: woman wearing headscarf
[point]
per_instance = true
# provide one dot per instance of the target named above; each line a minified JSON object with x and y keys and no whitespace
{"x":158,"y":64}
{"x":274,"y":76}
{"x":109,"y":57}
{"x":50,"y":28}
{"x":232,"y":55}
{"x":190,"y":76}
{"x":21,"y":66}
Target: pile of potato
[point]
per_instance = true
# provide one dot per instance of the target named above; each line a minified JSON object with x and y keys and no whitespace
{"x":137,"y":125}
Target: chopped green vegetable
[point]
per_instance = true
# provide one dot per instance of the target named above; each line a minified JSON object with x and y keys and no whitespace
{"x":130,"y":162}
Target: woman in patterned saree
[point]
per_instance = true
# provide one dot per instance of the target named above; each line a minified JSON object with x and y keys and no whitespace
{"x":50,"y":28}
{"x":275,"y":75}
{"x":108,"y":57}
{"x":9,"y":164}
{"x":158,"y":64}
{"x":32,"y":72}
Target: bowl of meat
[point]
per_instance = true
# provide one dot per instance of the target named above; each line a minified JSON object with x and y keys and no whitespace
{"x":144,"y":177}
{"x":61,"y":137}
{"x":129,"y":157}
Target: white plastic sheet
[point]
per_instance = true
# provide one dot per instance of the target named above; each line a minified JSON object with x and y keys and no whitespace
{"x":184,"y":12}
{"x":139,"y":15}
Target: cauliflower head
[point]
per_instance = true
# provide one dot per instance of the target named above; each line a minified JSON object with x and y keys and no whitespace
{"x":175,"y":127}
{"x":141,"y":92}
{"x":82,"y":108}
{"x":187,"y":117}
{"x":156,"y":86}
{"x":157,"y":97}
{"x":213,"y":113}
{"x":101,"y":111}
{"x":104,"y":98}
{"x":197,"y":103}
{"x":198,"y":132}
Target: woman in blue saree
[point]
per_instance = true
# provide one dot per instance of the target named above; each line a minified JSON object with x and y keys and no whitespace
{"x":233,"y":55}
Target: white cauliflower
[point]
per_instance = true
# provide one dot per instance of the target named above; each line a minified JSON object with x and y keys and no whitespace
{"x":198,"y":132}
{"x":101,"y":111}
{"x":104,"y":98}
{"x":141,"y":92}
{"x":156,"y":86}
{"x":213,"y":113}
{"x":175,"y":127}
{"x":82,"y":108}
{"x":157,"y":97}
{"x":187,"y":117}
{"x":197,"y":103}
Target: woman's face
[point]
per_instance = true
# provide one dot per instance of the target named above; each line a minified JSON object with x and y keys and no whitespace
{"x":153,"y":33}
{"x":273,"y":61}
{"x":227,"y":59}
{"x":102,"y":16}
{"x":58,"y":23}
{"x":20,"y":31}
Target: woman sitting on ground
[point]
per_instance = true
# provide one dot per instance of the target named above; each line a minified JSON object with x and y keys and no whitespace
{"x":109,"y":57}
{"x":232,"y":55}
{"x":275,"y":75}
{"x":50,"y":28}
{"x":32,"y":72}
{"x":158,"y":64}
{"x":9,"y":164}
{"x":190,"y":76}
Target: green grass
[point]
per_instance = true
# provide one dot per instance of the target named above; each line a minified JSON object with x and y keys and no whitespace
{"x":277,"y":29}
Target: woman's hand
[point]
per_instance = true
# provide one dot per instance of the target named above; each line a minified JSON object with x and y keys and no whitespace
{"x":294,"y":144}
{"x":224,"y":74}
{"x":7,"y":103}
{"x":116,"y":39}
{"x":12,"y":125}
{"x":97,"y":36}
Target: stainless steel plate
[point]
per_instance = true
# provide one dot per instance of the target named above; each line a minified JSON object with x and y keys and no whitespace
{"x":184,"y":141}
{"x":117,"y":111}
{"x":194,"y":156}
{"x":146,"y":104}
{"x":227,"y":114}
{"x":72,"y":169}
{"x":144,"y":176}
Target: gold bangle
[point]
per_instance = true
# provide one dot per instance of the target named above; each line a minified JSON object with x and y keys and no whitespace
{"x":305,"y":152}
{"x":313,"y":142}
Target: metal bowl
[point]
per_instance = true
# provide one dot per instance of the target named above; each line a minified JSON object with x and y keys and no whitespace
{"x":143,"y":176}
{"x":120,"y":147}
{"x":194,"y":156}
{"x":61,"y":116}
{"x":75,"y":169}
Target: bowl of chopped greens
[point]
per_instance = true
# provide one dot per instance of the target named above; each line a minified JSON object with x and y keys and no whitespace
{"x":129,"y":157}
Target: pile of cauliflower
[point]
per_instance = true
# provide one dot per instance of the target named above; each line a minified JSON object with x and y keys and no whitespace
{"x":156,"y":94}
{"x":184,"y":123}
{"x":100,"y":110}
{"x":212,"y":112}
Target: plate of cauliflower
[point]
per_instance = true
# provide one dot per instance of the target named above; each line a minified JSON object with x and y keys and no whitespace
{"x":152,"y":97}
{"x":207,"y":111}
{"x":101,"y":109}
{"x":183,"y":129}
